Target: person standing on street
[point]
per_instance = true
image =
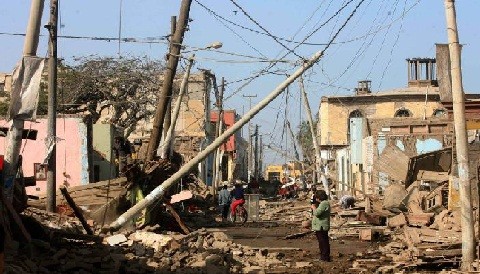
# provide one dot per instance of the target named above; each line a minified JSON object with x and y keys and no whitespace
{"x":321,"y":223}
{"x":224,"y":200}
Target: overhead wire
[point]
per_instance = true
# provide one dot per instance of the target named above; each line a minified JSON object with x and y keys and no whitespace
{"x":265,"y":30}
{"x":393,"y":47}
{"x":266,"y":69}
{"x":342,"y":27}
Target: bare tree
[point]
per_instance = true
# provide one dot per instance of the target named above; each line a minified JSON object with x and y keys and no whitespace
{"x":121,"y":90}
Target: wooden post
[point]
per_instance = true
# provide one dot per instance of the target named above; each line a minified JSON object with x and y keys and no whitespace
{"x":468,"y":234}
{"x":76,"y":210}
{"x":52,"y":105}
{"x":166,"y":92}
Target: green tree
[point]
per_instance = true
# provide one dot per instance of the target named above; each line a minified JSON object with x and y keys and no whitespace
{"x":304,"y":138}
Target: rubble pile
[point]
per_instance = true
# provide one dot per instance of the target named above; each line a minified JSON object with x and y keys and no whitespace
{"x":416,"y":239}
{"x":143,"y":251}
{"x":286,"y":211}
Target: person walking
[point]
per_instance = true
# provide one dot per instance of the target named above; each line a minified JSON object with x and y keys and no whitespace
{"x":224,"y":200}
{"x":321,"y":223}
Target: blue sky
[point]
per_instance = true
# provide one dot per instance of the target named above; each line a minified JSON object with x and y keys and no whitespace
{"x":384,"y":34}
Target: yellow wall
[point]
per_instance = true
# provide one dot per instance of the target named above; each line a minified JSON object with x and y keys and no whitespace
{"x":295,"y":170}
{"x":334,"y":116}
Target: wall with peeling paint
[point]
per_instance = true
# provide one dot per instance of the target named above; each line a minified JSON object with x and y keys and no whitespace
{"x":72,"y":156}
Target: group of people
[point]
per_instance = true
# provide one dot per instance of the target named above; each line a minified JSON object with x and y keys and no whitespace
{"x":320,"y":208}
{"x":230,"y":200}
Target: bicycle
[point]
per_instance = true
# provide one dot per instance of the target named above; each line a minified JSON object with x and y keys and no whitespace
{"x":241,"y":213}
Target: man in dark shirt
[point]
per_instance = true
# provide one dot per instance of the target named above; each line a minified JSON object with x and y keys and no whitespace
{"x":239,"y":197}
{"x":122,"y":152}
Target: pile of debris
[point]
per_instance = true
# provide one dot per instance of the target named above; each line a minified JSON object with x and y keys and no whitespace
{"x":419,"y":235}
{"x":62,"y":248}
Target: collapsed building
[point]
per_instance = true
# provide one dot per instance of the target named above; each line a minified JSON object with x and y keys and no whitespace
{"x":403,"y":135}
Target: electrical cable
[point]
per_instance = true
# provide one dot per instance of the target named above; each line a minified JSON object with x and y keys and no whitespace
{"x":265,"y":30}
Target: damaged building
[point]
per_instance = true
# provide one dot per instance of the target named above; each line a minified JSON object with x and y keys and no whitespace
{"x":373,"y":139}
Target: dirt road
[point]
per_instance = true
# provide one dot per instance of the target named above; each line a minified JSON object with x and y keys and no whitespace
{"x":270,"y":236}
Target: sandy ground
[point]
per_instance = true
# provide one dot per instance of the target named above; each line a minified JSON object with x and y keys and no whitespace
{"x":305,"y":249}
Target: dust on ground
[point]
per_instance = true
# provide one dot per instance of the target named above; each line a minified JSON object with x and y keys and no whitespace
{"x":270,"y":236}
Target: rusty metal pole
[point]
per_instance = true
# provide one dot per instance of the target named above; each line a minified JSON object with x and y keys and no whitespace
{"x":14,"y":135}
{"x":461,"y":143}
{"x":52,"y":106}
{"x":166,"y":92}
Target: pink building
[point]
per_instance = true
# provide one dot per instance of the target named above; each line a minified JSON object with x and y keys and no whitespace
{"x":72,"y":152}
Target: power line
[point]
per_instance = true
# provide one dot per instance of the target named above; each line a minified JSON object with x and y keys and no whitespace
{"x":147,"y":40}
{"x":230,"y":29}
{"x":265,"y":30}
{"x":266,"y":69}
{"x":219,"y":17}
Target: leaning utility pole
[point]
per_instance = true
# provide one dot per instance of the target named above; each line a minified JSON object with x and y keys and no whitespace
{"x":249,"y":153}
{"x":308,"y":111}
{"x":14,"y":135}
{"x":166,"y":149}
{"x":461,"y":144}
{"x":218,"y":159}
{"x":52,"y":105}
{"x":159,"y":191}
{"x":168,"y":113}
{"x":166,"y":92}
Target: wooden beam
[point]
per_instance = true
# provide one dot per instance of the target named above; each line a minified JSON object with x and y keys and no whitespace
{"x":76,"y":210}
{"x":178,"y":219}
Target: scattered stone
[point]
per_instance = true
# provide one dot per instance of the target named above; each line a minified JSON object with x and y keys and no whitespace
{"x":116,"y":239}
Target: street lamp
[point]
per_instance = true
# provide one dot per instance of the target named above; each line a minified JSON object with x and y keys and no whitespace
{"x":214,"y":45}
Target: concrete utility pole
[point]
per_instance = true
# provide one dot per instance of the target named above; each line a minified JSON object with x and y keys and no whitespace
{"x":14,"y":135}
{"x":461,"y":143}
{"x":167,"y":147}
{"x":52,"y":105}
{"x":218,"y":154}
{"x":166,"y":92}
{"x":256,"y":154}
{"x":260,"y":160}
{"x":159,"y":191}
{"x":308,"y":113}
{"x":168,"y":113}
{"x":249,"y":153}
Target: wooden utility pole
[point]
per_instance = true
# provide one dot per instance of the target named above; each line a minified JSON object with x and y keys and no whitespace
{"x":249,"y":153}
{"x":168,"y":113}
{"x":159,"y":191}
{"x":14,"y":135}
{"x":166,"y":92}
{"x":166,"y":149}
{"x":308,"y":113}
{"x":461,"y":143}
{"x":52,"y":105}
{"x":218,"y":154}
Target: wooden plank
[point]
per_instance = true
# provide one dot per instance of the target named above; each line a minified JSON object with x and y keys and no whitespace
{"x":178,"y":219}
{"x":76,"y":211}
{"x":16,"y":219}
{"x":297,"y":235}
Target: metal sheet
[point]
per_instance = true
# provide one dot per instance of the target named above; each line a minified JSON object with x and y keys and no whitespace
{"x":356,"y":136}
